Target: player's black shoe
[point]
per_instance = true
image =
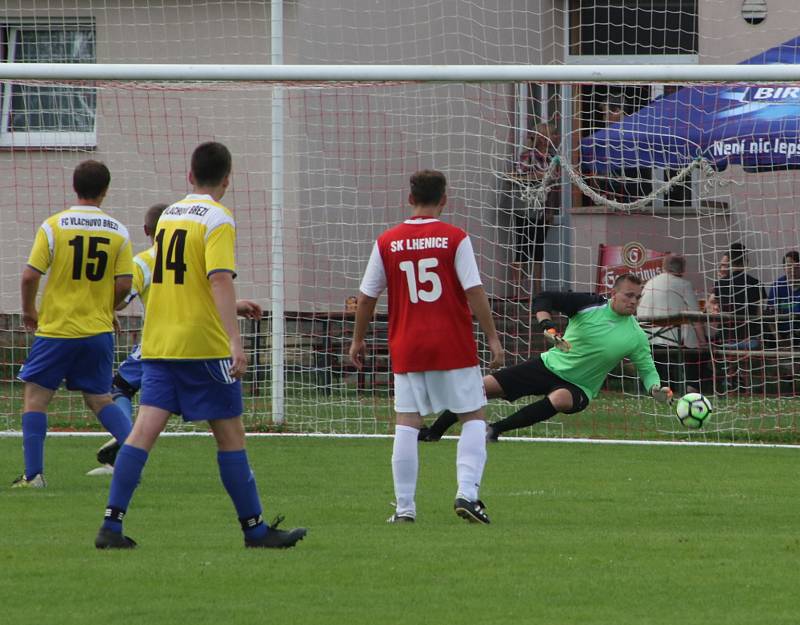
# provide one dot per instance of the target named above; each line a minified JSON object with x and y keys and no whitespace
{"x":492,"y":435}
{"x":472,"y":511}
{"x":426,"y":435}
{"x":400,"y":518}
{"x":277,"y":539}
{"x":107,"y":454}
{"x":106,"y":539}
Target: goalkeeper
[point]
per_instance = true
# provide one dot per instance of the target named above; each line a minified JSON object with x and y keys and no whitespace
{"x":599,"y":334}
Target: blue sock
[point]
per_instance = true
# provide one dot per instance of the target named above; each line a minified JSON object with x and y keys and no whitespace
{"x":34,"y":429}
{"x":115,"y":421}
{"x":124,"y":404}
{"x":238,"y":479}
{"x":127,"y":472}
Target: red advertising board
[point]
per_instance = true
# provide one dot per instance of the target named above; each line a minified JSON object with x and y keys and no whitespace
{"x":633,"y":257}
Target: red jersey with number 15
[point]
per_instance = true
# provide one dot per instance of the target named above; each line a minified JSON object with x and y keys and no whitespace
{"x":428,"y":265}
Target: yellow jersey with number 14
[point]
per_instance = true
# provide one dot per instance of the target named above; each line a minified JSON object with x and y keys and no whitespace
{"x":194,"y":238}
{"x":82,"y":250}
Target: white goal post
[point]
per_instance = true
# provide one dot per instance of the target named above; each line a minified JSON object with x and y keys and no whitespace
{"x":706,"y":232}
{"x":650,"y":73}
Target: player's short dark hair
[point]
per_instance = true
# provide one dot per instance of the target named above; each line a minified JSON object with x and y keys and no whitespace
{"x":211,"y":162}
{"x":792,"y":255}
{"x":674,"y":263}
{"x":738,"y":255}
{"x":151,"y":217}
{"x":630,"y":277}
{"x":90,"y":179}
{"x":428,"y":186}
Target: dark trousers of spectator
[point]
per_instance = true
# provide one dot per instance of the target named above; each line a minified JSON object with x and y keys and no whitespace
{"x":685,"y":369}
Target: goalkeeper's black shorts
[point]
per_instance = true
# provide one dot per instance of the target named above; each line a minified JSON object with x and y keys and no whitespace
{"x":532,"y":377}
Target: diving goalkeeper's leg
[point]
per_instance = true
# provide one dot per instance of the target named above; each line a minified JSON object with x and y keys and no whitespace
{"x":542,"y":410}
{"x":567,"y":401}
{"x":448,"y":419}
{"x":437,"y":429}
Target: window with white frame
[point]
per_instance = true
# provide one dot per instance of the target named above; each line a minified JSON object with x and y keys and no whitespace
{"x":633,"y":32}
{"x":614,"y":28}
{"x":42,"y":115}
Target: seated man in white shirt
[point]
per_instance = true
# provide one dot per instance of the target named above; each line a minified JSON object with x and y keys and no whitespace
{"x":666,"y":295}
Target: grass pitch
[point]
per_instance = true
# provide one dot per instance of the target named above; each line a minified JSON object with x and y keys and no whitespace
{"x":581,"y":535}
{"x":611,"y":415}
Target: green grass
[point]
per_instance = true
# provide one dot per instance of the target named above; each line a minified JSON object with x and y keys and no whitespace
{"x":581,"y":534}
{"x":612,"y":415}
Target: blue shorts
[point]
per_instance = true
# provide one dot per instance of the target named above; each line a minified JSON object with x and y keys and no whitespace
{"x":198,"y":390}
{"x":131,"y":369}
{"x":85,"y":363}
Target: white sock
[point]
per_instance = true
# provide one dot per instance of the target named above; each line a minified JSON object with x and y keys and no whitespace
{"x":470,"y":459}
{"x":405,"y":465}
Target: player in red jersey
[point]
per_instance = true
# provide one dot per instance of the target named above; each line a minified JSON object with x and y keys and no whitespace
{"x":429,"y":269}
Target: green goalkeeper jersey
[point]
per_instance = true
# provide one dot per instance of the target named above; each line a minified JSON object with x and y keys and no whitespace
{"x":600,"y":339}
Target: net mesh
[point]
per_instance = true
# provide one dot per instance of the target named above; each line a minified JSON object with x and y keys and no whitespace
{"x":532,"y":177}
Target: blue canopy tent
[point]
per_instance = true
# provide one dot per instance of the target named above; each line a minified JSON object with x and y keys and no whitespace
{"x":757,"y":127}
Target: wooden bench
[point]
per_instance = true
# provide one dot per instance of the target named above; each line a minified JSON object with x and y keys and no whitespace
{"x":333,"y":345}
{"x":316,"y":344}
{"x":749,"y":366}
{"x":758,"y":353}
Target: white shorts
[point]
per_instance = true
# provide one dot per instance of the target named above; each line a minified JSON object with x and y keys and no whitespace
{"x":426,"y":392}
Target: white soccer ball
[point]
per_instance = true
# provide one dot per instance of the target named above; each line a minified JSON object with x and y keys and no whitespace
{"x":693,"y":410}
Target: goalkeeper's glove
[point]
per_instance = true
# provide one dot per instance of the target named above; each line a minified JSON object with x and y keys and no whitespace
{"x":662,"y":394}
{"x":553,"y":336}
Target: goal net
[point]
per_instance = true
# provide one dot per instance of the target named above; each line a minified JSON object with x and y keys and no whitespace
{"x":561,"y":184}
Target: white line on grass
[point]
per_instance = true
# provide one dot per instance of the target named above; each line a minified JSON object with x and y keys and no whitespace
{"x":509,"y":439}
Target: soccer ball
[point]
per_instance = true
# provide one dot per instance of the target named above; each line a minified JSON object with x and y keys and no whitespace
{"x":693,"y":410}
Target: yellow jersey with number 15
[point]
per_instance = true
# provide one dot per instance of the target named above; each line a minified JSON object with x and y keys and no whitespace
{"x":194,"y":238}
{"x":82,"y":250}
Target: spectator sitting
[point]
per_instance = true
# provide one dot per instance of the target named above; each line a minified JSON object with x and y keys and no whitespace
{"x":723,"y":272}
{"x":666,"y":295}
{"x":739,"y":294}
{"x":784,"y":298}
{"x":724,"y":267}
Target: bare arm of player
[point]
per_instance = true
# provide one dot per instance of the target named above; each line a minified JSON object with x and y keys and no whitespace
{"x":29,"y":287}
{"x":225,"y":299}
{"x":122,"y":287}
{"x":700,"y":331}
{"x":365,"y":308}
{"x":479,"y":303}
{"x":248,"y":309}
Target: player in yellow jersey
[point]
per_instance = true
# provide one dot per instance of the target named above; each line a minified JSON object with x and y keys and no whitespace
{"x":88,"y":257}
{"x":192,"y":353}
{"x":128,"y":379}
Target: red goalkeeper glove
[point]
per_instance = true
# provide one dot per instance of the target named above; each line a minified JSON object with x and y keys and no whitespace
{"x":553,"y":336}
